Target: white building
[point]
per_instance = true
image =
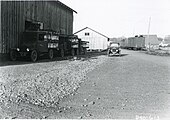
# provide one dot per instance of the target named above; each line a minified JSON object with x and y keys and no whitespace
{"x":97,"y":41}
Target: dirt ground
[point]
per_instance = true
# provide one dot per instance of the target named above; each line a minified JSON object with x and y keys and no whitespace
{"x":133,"y":86}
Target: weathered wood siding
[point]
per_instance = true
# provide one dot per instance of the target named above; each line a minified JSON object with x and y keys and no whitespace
{"x":0,"y":26}
{"x":14,"y":14}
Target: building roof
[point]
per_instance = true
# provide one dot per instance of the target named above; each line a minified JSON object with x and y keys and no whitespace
{"x":92,"y":30}
{"x":149,"y":35}
{"x":62,"y":4}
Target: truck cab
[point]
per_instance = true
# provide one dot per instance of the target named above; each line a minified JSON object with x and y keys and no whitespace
{"x":36,"y":43}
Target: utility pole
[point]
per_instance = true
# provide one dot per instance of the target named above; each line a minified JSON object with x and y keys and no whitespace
{"x":149,"y":31}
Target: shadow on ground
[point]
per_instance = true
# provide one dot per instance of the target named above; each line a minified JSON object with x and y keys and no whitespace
{"x":122,"y":55}
{"x":43,"y":59}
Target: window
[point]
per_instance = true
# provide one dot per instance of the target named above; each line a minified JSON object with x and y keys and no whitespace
{"x":87,"y":34}
{"x":31,"y":25}
{"x":29,"y":37}
{"x":41,"y":37}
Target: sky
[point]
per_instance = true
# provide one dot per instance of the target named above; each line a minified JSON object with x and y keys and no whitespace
{"x":117,"y":18}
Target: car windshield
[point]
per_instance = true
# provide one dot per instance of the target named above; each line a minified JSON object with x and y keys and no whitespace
{"x":114,"y":45}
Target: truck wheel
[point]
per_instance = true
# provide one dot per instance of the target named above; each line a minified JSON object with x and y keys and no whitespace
{"x":13,"y":55}
{"x":73,"y":52}
{"x":108,"y":53}
{"x":34,"y":55}
{"x":51,"y":54}
{"x":77,"y":51}
{"x":85,"y":51}
{"x":62,"y":53}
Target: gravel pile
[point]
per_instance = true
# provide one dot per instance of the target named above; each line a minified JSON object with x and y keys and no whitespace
{"x":44,"y":84}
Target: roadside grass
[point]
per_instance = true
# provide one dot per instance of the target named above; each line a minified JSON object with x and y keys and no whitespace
{"x":162,"y":51}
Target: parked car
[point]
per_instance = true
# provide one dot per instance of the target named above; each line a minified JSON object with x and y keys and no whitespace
{"x":114,"y":49}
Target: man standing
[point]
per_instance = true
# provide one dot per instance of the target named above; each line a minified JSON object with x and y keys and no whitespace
{"x":108,"y":47}
{"x":108,"y":43}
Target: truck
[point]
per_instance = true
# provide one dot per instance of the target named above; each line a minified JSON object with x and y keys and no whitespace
{"x":83,"y":46}
{"x":41,"y":42}
{"x":135,"y":43}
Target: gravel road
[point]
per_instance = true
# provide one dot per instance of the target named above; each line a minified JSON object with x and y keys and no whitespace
{"x":133,"y":86}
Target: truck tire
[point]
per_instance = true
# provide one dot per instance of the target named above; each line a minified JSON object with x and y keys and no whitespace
{"x":108,"y":53}
{"x":85,"y":51}
{"x":34,"y":56}
{"x":62,"y":53}
{"x":73,"y":52}
{"x":77,"y":51}
{"x":51,"y":54}
{"x":13,"y":55}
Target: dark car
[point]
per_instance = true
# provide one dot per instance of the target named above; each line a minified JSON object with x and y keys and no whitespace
{"x":114,"y":49}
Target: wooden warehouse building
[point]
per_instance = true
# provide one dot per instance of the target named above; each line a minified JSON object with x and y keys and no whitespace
{"x":18,"y":16}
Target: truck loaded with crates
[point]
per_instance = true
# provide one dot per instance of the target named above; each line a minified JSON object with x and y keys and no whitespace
{"x":41,"y":42}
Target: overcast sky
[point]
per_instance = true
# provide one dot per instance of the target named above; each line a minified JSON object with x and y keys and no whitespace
{"x":116,"y":18}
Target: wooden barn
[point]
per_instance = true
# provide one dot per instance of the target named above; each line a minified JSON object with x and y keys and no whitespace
{"x":97,"y":41}
{"x":18,"y":16}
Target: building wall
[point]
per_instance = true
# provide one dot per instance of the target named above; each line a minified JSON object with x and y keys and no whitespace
{"x":96,"y":41}
{"x":166,"y":40}
{"x":0,"y":27}
{"x":124,"y":42}
{"x":14,"y":14}
{"x":152,"y":40}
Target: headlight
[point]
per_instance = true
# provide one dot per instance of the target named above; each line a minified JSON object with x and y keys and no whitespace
{"x":17,"y":49}
{"x":28,"y":49}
